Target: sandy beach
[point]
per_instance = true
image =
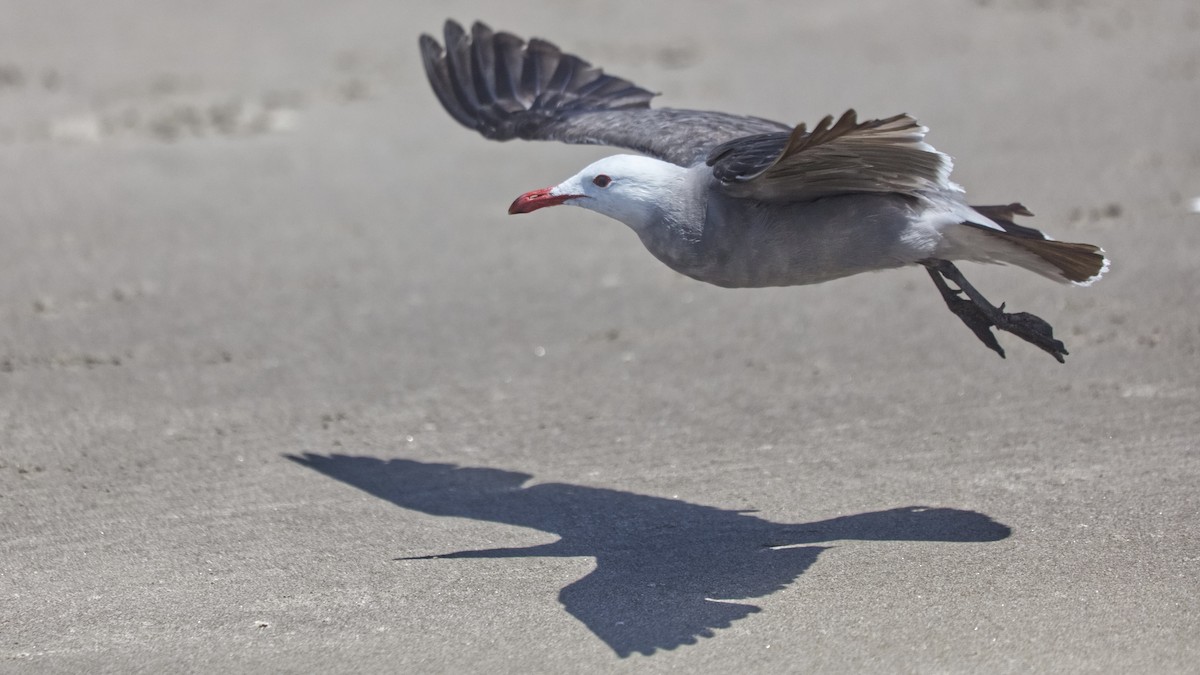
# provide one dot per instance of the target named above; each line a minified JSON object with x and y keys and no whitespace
{"x":284,"y":389}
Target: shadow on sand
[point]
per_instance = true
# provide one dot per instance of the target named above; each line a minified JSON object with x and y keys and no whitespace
{"x":666,"y":570}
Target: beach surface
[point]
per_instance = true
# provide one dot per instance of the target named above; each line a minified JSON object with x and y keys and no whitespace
{"x":283,"y":388}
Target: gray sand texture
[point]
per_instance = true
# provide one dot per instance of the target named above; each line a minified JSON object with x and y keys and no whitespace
{"x":284,"y":389}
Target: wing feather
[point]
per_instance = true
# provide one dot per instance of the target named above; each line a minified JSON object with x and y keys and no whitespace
{"x":504,"y":88}
{"x":846,"y":156}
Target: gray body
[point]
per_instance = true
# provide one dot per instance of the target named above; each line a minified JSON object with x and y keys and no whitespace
{"x":721,"y":240}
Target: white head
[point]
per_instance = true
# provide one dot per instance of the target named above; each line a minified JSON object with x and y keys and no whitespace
{"x":630,"y":188}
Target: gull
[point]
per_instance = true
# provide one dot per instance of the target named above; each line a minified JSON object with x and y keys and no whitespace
{"x":745,"y":202}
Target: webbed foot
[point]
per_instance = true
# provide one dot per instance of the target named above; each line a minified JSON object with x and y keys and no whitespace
{"x":981,"y":316}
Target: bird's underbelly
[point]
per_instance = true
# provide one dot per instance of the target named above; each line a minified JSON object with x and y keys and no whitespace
{"x":795,"y":245}
{"x":758,"y":265}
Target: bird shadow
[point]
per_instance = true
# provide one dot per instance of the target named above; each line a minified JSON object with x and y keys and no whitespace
{"x":667,"y":571}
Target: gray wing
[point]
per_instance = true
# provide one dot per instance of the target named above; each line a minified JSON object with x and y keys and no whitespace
{"x":505,"y":88}
{"x":848,"y":156}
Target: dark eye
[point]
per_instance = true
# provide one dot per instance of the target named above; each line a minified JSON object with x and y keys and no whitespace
{"x":601,"y":181}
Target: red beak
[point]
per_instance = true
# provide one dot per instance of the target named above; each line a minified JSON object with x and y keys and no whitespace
{"x":536,"y":199}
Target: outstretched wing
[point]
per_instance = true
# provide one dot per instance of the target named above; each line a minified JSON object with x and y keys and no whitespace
{"x":847,"y":156}
{"x":505,"y":88}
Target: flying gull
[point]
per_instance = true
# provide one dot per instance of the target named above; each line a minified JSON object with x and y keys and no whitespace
{"x":745,"y":202}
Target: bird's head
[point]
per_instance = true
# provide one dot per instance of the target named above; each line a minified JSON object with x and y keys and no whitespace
{"x":630,"y":188}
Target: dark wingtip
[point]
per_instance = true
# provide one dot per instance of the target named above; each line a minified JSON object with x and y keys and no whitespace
{"x":504,"y":87}
{"x":434,"y":57}
{"x":430,"y":47}
{"x":453,"y":33}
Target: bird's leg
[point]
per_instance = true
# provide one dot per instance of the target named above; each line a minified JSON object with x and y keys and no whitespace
{"x":973,"y":316}
{"x":981,"y":315}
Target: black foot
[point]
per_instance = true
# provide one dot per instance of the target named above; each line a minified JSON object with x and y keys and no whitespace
{"x":981,"y":316}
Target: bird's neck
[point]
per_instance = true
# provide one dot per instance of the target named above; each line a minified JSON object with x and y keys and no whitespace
{"x":674,"y":232}
{"x":660,"y":197}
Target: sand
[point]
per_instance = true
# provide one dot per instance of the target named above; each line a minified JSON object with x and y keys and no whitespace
{"x":270,"y":346}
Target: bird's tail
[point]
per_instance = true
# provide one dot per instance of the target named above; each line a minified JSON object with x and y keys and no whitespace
{"x":1062,"y":261}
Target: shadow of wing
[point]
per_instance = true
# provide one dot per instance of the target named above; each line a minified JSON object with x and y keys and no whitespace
{"x":638,"y":617}
{"x":655,"y":599}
